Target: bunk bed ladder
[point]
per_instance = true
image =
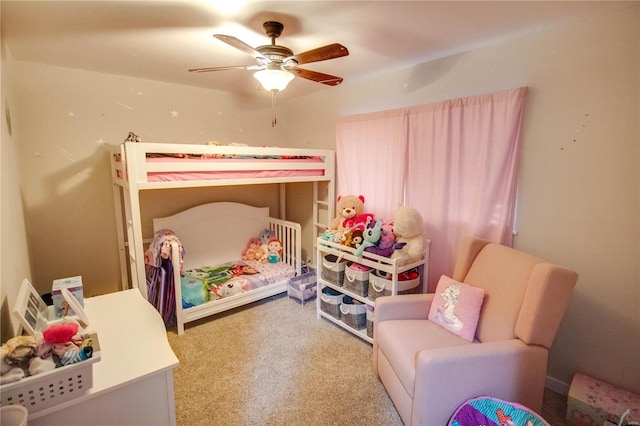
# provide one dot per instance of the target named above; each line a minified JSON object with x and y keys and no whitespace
{"x":322,"y":210}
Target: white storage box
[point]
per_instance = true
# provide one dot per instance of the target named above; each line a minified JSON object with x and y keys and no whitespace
{"x":330,"y":301}
{"x":353,"y":314}
{"x":54,"y":387}
{"x":333,"y":269}
{"x":380,"y":284}
{"x":47,"y":389}
{"x":356,"y":278}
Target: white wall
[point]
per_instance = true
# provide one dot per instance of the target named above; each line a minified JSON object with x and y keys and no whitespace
{"x":70,"y":120}
{"x":580,"y":183}
{"x":579,"y":201}
{"x":14,"y":253}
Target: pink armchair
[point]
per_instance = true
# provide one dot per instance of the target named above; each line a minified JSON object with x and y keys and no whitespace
{"x":429,"y":371}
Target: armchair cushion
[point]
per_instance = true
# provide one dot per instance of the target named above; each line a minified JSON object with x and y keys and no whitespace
{"x":402,"y":340}
{"x":456,"y":307}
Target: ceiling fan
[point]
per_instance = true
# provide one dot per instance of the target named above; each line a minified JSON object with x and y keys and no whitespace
{"x":277,"y":65}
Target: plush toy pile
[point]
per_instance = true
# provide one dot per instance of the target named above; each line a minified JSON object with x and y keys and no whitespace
{"x":58,"y":345}
{"x":401,"y":237}
{"x":264,"y":248}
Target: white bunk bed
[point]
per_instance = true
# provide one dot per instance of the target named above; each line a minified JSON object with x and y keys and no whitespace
{"x":140,"y":167}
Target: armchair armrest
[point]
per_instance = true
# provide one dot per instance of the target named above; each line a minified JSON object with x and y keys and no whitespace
{"x":494,"y":369}
{"x":407,"y":306}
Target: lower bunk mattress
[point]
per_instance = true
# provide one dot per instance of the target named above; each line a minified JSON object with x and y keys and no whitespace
{"x":208,"y":284}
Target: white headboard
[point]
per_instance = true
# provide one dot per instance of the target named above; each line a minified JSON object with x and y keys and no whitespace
{"x":216,"y":232}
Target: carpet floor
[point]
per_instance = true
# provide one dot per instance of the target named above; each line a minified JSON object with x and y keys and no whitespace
{"x":274,"y":363}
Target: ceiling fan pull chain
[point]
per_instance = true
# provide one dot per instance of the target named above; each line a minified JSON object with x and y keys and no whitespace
{"x":274,"y":120}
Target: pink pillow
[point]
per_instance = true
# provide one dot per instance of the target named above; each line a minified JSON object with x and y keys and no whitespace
{"x":456,"y":307}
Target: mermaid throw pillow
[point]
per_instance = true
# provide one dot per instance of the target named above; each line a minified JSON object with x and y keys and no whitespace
{"x":456,"y":307}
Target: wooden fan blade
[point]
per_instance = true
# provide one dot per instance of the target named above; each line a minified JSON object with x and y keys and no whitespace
{"x":239,"y":67}
{"x":329,"y":80}
{"x":330,"y":51}
{"x":242,"y":46}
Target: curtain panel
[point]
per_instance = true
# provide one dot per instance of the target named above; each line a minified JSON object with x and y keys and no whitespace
{"x":455,"y":161}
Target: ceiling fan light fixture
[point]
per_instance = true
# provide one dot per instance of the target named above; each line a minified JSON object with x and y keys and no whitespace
{"x":274,"y":80}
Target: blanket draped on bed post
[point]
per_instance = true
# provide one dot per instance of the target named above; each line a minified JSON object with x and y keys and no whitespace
{"x":159,"y":275}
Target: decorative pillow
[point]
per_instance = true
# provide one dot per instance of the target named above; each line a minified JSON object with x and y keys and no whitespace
{"x":456,"y":307}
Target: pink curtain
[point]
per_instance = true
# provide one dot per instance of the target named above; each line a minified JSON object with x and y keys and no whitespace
{"x":463,"y":163}
{"x":455,"y":161}
{"x":371,"y":150}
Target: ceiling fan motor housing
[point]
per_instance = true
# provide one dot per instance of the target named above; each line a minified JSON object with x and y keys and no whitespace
{"x":273,"y":29}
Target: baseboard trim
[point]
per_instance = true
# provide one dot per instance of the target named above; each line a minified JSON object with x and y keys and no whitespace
{"x":557,"y":386}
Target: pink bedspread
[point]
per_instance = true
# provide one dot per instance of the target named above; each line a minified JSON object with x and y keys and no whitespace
{"x":166,"y":176}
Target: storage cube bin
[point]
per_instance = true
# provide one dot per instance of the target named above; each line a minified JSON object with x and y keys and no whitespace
{"x":353,"y":313}
{"x":380,"y":284}
{"x":330,"y":301}
{"x":333,"y":269}
{"x":303,"y":287}
{"x":591,"y":402}
{"x":356,"y":278}
{"x":45,"y":390}
{"x":50,"y":388}
{"x":370,"y":321}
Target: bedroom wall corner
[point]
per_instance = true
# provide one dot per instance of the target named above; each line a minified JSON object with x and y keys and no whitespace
{"x":14,"y":251}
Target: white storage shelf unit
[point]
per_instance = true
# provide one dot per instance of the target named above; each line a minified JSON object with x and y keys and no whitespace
{"x":386,"y":265}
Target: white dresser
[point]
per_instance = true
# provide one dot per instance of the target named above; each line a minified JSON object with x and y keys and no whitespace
{"x":133,"y":381}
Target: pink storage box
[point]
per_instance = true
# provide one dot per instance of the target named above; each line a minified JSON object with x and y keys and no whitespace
{"x":592,"y":402}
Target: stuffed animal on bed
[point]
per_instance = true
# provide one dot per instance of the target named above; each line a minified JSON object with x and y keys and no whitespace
{"x":252,"y":250}
{"x":275,"y":250}
{"x":231,"y":288}
{"x":265,"y":236}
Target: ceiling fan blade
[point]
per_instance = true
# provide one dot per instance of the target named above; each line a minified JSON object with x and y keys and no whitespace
{"x":329,"y":80}
{"x":330,"y":51}
{"x":239,"y":67}
{"x":242,"y":46}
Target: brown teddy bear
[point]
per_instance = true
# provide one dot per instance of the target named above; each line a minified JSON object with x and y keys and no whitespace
{"x":348,"y":208}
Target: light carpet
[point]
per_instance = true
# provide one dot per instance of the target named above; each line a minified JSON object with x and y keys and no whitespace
{"x":274,"y":363}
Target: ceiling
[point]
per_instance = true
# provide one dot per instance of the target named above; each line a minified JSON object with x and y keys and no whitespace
{"x":160,"y":40}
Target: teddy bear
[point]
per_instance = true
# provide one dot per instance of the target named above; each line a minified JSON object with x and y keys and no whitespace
{"x":348,"y":207}
{"x":408,"y":227}
{"x":356,"y":238}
